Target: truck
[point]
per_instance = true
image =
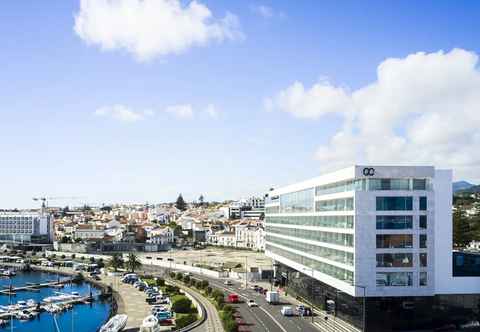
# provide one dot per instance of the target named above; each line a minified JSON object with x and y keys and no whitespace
{"x":272,"y":297}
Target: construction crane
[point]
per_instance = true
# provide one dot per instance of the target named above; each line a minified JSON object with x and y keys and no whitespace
{"x":46,"y":199}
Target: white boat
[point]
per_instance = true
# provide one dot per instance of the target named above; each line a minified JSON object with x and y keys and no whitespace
{"x":150,"y":324}
{"x":115,"y":324}
{"x":9,"y":273}
{"x":22,"y":305}
{"x":31,"y":303}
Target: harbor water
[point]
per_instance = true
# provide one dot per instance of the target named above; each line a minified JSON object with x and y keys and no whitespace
{"x":86,"y":317}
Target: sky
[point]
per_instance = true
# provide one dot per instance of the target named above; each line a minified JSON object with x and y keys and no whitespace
{"x":140,"y":100}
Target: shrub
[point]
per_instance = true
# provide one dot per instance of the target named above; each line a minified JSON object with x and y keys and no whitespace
{"x":193,"y":283}
{"x":230,"y":325}
{"x":228,"y":309}
{"x":160,"y":282}
{"x":184,"y":320}
{"x":172,"y":275}
{"x":217,"y":293}
{"x":209,"y":290}
{"x":186,"y":279}
{"x":181,"y":304}
{"x":179,"y":276}
{"x":220,"y":301}
{"x":203,"y":284}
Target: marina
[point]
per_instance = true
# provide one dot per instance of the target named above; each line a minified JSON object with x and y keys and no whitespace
{"x":39,"y":303}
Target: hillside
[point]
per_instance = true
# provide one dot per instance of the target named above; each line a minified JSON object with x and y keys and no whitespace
{"x":461,"y":186}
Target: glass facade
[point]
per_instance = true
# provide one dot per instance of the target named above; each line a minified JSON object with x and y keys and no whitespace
{"x":338,"y":187}
{"x":328,"y":253}
{"x":386,"y":241}
{"x":299,"y":201}
{"x":372,"y":184}
{"x":328,"y":269}
{"x":394,"y":279}
{"x":423,"y":240}
{"x":422,"y":222}
{"x":389,"y":184}
{"x":394,"y":222}
{"x":272,"y":209}
{"x":394,"y":203}
{"x":340,"y":204}
{"x":395,"y":260}
{"x":422,"y":257}
{"x":423,"y":279}
{"x":423,"y":203}
{"x":318,"y":221}
{"x":325,"y":237}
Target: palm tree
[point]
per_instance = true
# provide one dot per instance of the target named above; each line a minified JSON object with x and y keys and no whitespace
{"x":133,"y":262}
{"x":116,"y":262}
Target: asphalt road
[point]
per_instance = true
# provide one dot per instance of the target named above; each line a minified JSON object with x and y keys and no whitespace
{"x":265,"y":317}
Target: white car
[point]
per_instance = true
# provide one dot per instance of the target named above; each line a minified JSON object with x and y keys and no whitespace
{"x":252,"y":303}
{"x":287,"y":311}
{"x":228,"y":283}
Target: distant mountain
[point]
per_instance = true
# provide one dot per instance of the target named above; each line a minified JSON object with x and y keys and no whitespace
{"x":472,"y":189}
{"x":461,"y":186}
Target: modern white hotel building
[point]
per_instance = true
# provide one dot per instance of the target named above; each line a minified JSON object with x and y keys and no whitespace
{"x":26,"y":227}
{"x":384,"y":232}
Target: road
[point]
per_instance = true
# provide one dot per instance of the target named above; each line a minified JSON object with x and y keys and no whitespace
{"x":265,"y":317}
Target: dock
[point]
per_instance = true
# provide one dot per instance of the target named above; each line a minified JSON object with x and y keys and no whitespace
{"x":33,"y":287}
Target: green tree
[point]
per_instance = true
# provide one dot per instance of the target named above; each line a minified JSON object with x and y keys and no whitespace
{"x":201,"y":200}
{"x":181,"y":304}
{"x":184,"y":320}
{"x":92,"y":259}
{"x":116,"y":262}
{"x":133,"y":263}
{"x":462,"y":233}
{"x":180,"y":203}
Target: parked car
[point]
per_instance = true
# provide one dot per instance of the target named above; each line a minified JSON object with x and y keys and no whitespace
{"x":228,"y":283}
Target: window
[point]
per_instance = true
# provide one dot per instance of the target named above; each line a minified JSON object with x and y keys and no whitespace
{"x":419,"y":184}
{"x":300,"y":201}
{"x":272,"y":209}
{"x":423,"y":240}
{"x":394,"y":241}
{"x":423,"y":279}
{"x":388,"y":184}
{"x":423,"y":203}
{"x":394,"y":260}
{"x":423,"y":222}
{"x":394,"y":279}
{"x":350,"y":185}
{"x":394,"y":222}
{"x":423,"y":259}
{"x":394,"y":203}
{"x":341,"y":204}
{"x":320,"y":221}
{"x":325,"y":237}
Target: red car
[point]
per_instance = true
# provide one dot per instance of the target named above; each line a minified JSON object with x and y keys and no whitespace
{"x":232,"y":298}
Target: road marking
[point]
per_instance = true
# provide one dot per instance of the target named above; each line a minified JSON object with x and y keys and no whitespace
{"x":273,"y":318}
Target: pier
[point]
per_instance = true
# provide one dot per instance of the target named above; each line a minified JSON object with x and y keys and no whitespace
{"x":33,"y":287}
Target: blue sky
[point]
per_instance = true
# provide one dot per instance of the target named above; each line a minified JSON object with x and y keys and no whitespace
{"x":54,"y":81}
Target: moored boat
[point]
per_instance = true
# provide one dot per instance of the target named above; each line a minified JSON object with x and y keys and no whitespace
{"x":115,"y":324}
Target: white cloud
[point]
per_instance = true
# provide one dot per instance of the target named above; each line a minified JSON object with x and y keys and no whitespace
{"x":266,"y":11}
{"x":212,"y":111}
{"x":422,"y":109}
{"x":320,"y":99}
{"x":122,"y":113}
{"x":180,"y":111}
{"x":151,"y":28}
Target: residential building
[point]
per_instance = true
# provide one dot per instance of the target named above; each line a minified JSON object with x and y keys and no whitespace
{"x":89,"y":232}
{"x":26,"y":227}
{"x":379,"y":234}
